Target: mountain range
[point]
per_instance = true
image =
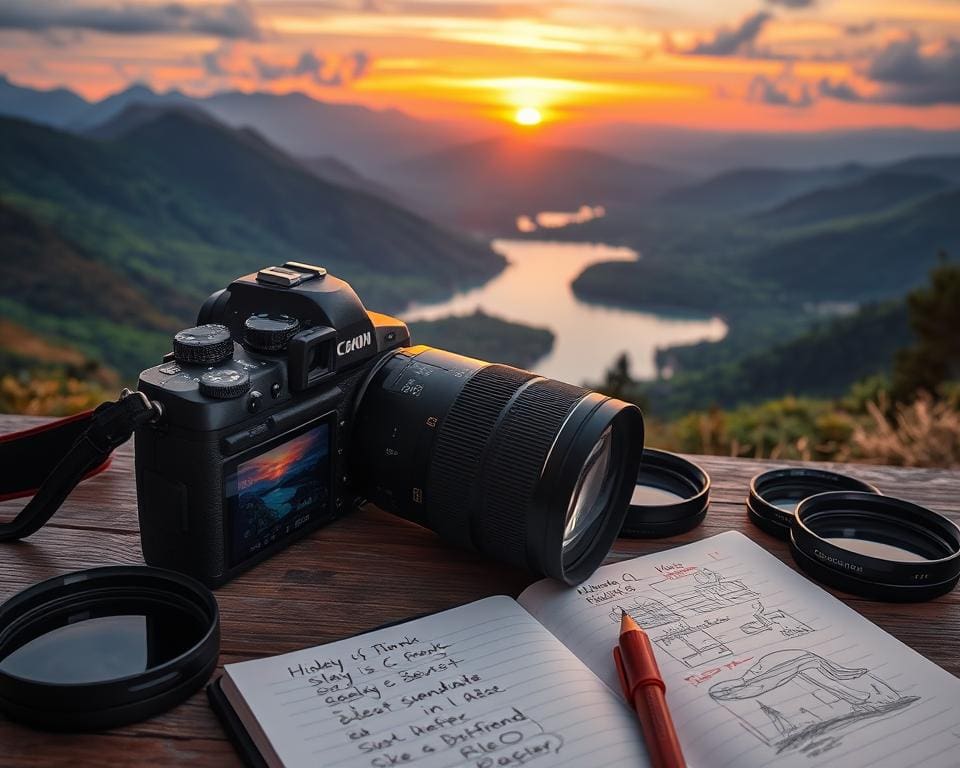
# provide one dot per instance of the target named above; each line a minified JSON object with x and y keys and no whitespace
{"x":371,"y":139}
{"x":171,"y":206}
{"x":485,"y":185}
{"x":118,"y":217}
{"x":363,"y":137}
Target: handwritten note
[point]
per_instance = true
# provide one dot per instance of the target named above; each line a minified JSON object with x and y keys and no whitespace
{"x":482,"y":685}
{"x":762,"y":666}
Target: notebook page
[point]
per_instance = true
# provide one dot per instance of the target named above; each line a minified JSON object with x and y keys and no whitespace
{"x":762,"y":666}
{"x":482,"y":685}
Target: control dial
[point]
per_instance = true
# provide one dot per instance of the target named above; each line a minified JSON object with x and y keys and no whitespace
{"x":224,"y":383}
{"x":203,"y":345}
{"x":269,"y":332}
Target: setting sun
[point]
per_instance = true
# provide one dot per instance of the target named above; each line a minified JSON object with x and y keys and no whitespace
{"x":528,"y":116}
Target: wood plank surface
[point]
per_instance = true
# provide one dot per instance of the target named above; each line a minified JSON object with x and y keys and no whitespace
{"x":360,"y":572}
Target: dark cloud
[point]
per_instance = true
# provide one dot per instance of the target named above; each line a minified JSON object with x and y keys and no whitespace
{"x":731,"y":41}
{"x":212,"y":64}
{"x":906,"y":72}
{"x":912,"y":73}
{"x":234,"y":20}
{"x":456,"y":8}
{"x":769,"y":91}
{"x":856,"y":30}
{"x":839,"y":90}
{"x":332,"y":71}
{"x":905,"y":62}
{"x":780,"y":91}
{"x":793,"y":3}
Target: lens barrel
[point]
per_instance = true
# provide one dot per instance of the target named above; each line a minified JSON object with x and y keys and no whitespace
{"x":497,"y":459}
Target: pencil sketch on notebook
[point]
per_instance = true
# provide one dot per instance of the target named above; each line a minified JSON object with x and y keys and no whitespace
{"x":692,"y":645}
{"x":795,"y":700}
{"x":693,"y":614}
{"x":764,"y":620}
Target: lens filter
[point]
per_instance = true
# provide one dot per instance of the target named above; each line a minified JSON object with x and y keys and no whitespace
{"x":104,"y":647}
{"x":774,"y":495}
{"x":876,"y":546}
{"x":671,"y":496}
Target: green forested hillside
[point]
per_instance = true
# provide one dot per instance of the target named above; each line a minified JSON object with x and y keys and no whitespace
{"x":53,"y":288}
{"x":174,"y":208}
{"x":774,"y":276}
{"x":864,"y":258}
{"x":751,"y":189}
{"x":821,"y":362}
{"x":864,"y":197}
{"x":485,"y":337}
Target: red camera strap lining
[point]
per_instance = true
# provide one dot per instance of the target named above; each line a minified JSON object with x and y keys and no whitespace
{"x":48,"y":461}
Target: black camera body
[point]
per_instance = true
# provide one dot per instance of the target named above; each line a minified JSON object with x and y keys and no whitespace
{"x":290,"y":404}
{"x":251,"y":451}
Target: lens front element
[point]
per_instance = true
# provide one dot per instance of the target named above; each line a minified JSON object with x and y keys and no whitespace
{"x":531,"y":471}
{"x":589,"y":495}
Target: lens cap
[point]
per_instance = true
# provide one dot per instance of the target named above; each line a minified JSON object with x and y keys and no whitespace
{"x":670,"y":497}
{"x":104,"y":647}
{"x":878,"y":547}
{"x":774,"y":495}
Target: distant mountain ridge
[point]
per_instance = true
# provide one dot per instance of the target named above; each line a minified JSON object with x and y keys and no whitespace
{"x":370,"y":139}
{"x":746,"y":189}
{"x":875,"y":257}
{"x":364,"y":137}
{"x":486,"y":184}
{"x":57,"y":106}
{"x":865,"y":196}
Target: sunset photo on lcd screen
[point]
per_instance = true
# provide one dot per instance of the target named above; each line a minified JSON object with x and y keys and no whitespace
{"x":741,"y":216}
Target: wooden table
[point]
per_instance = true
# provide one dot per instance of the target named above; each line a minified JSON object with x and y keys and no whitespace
{"x":360,"y":572}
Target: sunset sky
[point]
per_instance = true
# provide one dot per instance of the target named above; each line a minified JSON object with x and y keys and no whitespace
{"x":739,"y":64}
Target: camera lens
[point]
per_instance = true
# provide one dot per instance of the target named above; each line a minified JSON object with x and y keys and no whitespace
{"x":529,"y":470}
{"x":876,"y":546}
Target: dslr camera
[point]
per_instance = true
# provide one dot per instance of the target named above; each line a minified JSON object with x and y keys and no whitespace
{"x":290,"y":404}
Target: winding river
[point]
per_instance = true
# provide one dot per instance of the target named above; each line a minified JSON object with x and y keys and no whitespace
{"x":535,"y":289}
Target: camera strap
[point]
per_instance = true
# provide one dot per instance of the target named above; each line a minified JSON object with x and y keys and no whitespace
{"x":48,"y":461}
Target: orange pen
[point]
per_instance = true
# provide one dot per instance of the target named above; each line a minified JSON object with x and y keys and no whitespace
{"x":645,"y":692}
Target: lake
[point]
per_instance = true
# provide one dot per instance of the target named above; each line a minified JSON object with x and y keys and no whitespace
{"x":535,"y":289}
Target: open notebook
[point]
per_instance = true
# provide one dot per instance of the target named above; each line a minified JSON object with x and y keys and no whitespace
{"x":762,"y":668}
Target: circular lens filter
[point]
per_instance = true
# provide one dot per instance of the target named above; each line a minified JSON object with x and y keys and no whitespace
{"x":876,"y":546}
{"x":670,"y":497}
{"x":104,"y":647}
{"x":774,"y":495}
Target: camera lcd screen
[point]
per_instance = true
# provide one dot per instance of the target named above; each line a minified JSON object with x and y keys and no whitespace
{"x":278,"y":491}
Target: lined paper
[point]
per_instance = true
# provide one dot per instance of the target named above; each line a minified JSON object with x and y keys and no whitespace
{"x":481,"y":685}
{"x":762,"y":667}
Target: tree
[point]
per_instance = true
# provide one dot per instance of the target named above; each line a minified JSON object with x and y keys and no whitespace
{"x":934,"y":358}
{"x":617,"y":382}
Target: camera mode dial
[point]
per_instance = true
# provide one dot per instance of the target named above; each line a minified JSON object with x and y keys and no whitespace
{"x":269,"y":332}
{"x":203,"y":345}
{"x":224,"y":383}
